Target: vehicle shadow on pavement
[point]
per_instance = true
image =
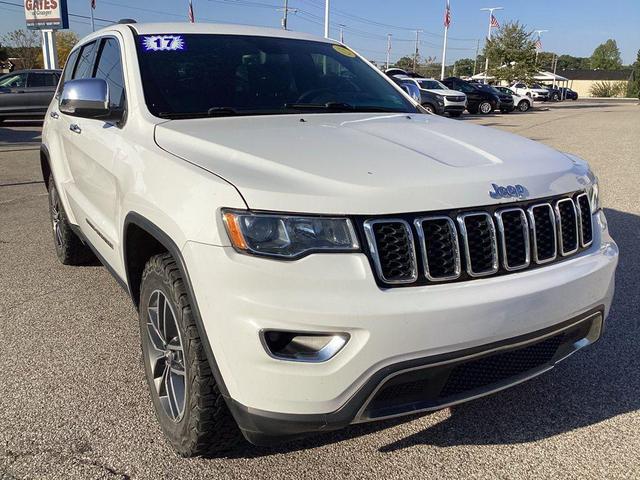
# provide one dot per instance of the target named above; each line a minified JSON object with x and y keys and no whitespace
{"x":596,"y":384}
{"x":592,"y":386}
{"x":30,"y":132}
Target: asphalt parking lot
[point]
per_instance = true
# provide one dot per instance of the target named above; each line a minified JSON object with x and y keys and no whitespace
{"x":74,"y":402}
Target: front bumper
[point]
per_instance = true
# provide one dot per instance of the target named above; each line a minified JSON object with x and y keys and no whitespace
{"x":239,"y":295}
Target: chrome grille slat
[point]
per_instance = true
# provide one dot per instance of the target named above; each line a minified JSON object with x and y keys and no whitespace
{"x":519,"y":235}
{"x":429,"y":244}
{"x":567,"y":221}
{"x":537,"y":235}
{"x":486,"y":242}
{"x":383,"y":254}
{"x":583,"y":207}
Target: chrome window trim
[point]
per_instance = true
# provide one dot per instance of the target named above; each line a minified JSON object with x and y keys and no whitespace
{"x":559,"y":226}
{"x":423,"y":247}
{"x":494,"y":244}
{"x":373,"y":248}
{"x":579,"y":211}
{"x":532,"y":226}
{"x":503,"y":242}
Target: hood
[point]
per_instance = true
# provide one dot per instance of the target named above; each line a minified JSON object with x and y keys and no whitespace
{"x":455,"y":93}
{"x":354,"y":163}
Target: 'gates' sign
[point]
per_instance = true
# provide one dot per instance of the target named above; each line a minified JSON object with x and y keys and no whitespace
{"x":46,"y":14}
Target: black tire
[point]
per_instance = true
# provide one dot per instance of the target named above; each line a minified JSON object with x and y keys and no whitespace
{"x":206,"y":426}
{"x":69,"y":248}
{"x":485,"y":108}
{"x":524,"y":106}
{"x":555,"y":97}
{"x":429,"y":108}
{"x":455,"y":114}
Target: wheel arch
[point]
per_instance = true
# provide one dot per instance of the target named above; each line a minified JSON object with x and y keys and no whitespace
{"x":138,"y":231}
{"x":45,"y":165}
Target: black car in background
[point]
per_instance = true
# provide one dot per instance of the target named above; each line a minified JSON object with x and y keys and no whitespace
{"x":506,"y":104}
{"x":432,"y":102}
{"x":568,"y":93}
{"x":555,"y":94}
{"x":479,"y":99}
{"x":27,"y":93}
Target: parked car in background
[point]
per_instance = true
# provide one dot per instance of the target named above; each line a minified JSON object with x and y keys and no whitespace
{"x":540,"y":94}
{"x":27,"y":93}
{"x":454,"y":101}
{"x":555,"y":94}
{"x":478,"y":99}
{"x":432,"y":103}
{"x":506,"y":100}
{"x":568,"y":94}
{"x":521,"y":103}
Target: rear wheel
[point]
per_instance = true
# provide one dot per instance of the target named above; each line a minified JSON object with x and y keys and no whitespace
{"x":187,"y":400}
{"x":485,"y":108}
{"x":69,"y":248}
{"x":555,"y":97}
{"x":524,"y":105}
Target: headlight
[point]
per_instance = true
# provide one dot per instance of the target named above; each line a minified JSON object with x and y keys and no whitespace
{"x":594,"y":196}
{"x":288,"y":236}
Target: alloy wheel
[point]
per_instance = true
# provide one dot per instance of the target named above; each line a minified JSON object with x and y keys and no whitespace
{"x":485,"y":107}
{"x":166,"y":355}
{"x":56,"y":218}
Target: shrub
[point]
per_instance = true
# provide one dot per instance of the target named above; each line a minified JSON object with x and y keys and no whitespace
{"x":608,"y":89}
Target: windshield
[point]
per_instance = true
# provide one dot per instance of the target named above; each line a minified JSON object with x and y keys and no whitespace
{"x":197,"y":75}
{"x":13,"y":80}
{"x":431,"y":85}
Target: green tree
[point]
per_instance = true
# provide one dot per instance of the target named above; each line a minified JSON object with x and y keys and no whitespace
{"x":405,"y":63}
{"x":511,"y":52}
{"x":463,"y":67}
{"x":633,"y":89}
{"x":569,"y":62}
{"x":606,"y":56}
{"x":24,"y":45}
{"x":65,"y":41}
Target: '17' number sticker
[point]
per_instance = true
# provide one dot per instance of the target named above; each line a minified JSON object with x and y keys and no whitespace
{"x":160,"y":43}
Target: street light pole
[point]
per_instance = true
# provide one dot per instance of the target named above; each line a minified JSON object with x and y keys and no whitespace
{"x":486,"y":62}
{"x":388,"y":49}
{"x":415,"y":53}
{"x":326,"y":19}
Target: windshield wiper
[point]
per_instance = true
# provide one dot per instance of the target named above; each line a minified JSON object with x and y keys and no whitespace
{"x":212,"y":112}
{"x":337,"y":107}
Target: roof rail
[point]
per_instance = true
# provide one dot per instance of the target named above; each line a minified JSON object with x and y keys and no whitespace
{"x":124,"y":21}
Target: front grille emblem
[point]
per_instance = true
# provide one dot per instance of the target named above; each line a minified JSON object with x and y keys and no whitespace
{"x":508,"y":191}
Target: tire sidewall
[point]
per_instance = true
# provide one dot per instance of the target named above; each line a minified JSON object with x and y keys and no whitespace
{"x":484,"y":111}
{"x":175,"y":431}
{"x":524,"y":106}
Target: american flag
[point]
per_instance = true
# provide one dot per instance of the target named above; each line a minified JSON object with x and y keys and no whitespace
{"x":192,"y":18}
{"x":538,"y":44}
{"x":447,"y":15}
{"x":93,"y":4}
{"x":494,"y":22}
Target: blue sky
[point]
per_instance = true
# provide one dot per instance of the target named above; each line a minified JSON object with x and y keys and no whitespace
{"x":575,"y":27}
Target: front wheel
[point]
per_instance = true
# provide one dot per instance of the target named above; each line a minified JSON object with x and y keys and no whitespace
{"x":429,"y":108}
{"x":555,"y":97}
{"x":187,"y":400}
{"x":524,"y":106}
{"x":485,"y":108}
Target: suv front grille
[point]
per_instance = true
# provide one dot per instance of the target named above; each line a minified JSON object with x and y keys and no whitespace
{"x":462,"y":245}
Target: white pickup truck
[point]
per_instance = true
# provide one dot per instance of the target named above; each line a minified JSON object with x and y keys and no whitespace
{"x":305,"y":247}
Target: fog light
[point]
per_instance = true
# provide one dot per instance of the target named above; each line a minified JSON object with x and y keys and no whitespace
{"x":303,"y":346}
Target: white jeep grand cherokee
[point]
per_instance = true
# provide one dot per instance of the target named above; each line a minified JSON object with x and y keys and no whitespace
{"x":305,"y":247}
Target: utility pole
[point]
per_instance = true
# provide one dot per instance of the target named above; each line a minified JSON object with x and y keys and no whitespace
{"x":326,"y":19}
{"x":388,"y":49}
{"x":486,"y":63}
{"x":475,"y":60}
{"x":341,"y":33}
{"x":415,"y":53}
{"x":93,"y":23}
{"x":285,"y":14}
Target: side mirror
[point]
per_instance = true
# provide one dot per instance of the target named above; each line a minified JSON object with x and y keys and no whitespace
{"x":87,"y":98}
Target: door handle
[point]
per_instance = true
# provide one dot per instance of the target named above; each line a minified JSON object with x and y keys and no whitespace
{"x":54,"y":115}
{"x":75,"y":128}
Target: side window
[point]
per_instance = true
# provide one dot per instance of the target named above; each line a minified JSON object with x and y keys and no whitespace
{"x":109,"y":68}
{"x":68,"y":69}
{"x":42,"y":80}
{"x":18,"y":80}
{"x":85,"y":61}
